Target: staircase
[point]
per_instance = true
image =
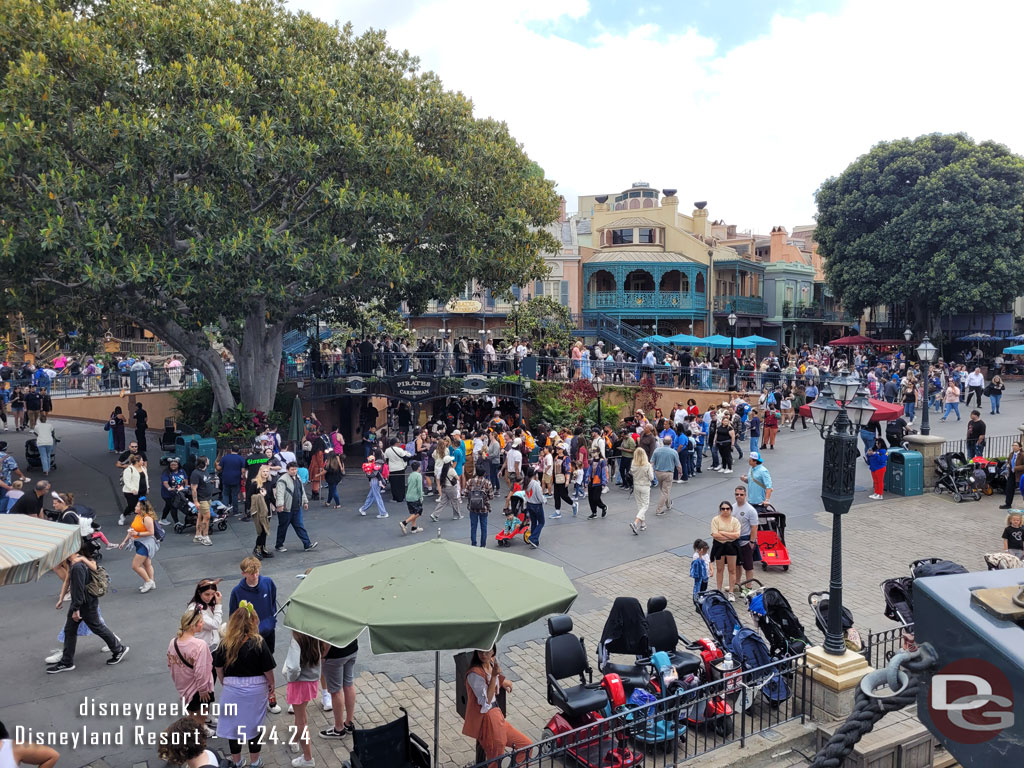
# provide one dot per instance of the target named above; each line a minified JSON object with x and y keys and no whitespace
{"x":613,"y":331}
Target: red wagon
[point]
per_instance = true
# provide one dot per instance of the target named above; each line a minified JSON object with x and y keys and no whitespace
{"x":771,"y":537}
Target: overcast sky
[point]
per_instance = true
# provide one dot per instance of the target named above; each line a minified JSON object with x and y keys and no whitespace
{"x":748,"y":104}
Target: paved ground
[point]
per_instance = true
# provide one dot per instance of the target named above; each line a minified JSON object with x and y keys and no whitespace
{"x":602,"y":557}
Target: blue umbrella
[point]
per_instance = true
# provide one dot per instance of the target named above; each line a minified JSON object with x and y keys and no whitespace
{"x":684,"y":340}
{"x":1017,"y":350}
{"x":759,"y":341}
{"x":724,"y":342}
{"x":978,"y":337}
{"x":655,"y":339}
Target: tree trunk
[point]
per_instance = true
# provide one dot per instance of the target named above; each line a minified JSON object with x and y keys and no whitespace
{"x":196,"y":346}
{"x":258,"y":362}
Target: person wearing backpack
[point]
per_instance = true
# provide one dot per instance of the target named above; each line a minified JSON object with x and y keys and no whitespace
{"x":448,"y":490}
{"x":86,"y":591}
{"x":145,"y":533}
{"x":479,"y":493}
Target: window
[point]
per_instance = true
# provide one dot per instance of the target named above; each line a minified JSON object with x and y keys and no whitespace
{"x":556,"y":290}
{"x":622,"y":236}
{"x":647,"y":235}
{"x":650,"y":193}
{"x":634,"y":194}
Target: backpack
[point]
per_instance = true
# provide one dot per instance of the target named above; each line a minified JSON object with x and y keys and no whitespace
{"x":477,"y":500}
{"x":99,"y":582}
{"x":158,"y":530}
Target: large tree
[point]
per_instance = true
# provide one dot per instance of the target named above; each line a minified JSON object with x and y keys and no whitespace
{"x":212,"y":170}
{"x":934,"y":224}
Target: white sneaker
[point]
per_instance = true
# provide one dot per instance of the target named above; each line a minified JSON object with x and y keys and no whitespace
{"x":301,"y":762}
{"x":120,"y":520}
{"x":165,"y":521}
{"x":726,"y":471}
{"x":55,"y":655}
{"x":677,"y":482}
{"x":207,"y":541}
{"x":197,"y":539}
{"x":291,"y":710}
{"x":328,"y":705}
{"x":149,"y":585}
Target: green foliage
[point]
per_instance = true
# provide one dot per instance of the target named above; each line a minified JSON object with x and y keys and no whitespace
{"x":570,"y":405}
{"x":239,"y":426}
{"x":194,"y":408}
{"x":225,"y":167}
{"x":935,"y":222}
{"x":541,"y":319}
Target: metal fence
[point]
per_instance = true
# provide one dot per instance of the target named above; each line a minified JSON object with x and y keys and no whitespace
{"x":882,"y":646}
{"x":682,"y":726}
{"x":995,"y":446}
{"x":112,"y":382}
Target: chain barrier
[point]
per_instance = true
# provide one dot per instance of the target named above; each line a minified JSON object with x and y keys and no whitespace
{"x":881,"y":691}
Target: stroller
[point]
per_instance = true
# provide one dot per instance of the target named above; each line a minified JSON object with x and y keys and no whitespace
{"x":719,"y":616}
{"x":989,"y":474}
{"x":776,"y":620}
{"x":32,"y":457}
{"x":521,"y":527}
{"x":183,"y":504}
{"x":819,"y":604}
{"x":751,"y":651}
{"x":899,"y":607}
{"x":85,"y":518}
{"x":956,"y":475}
{"x":771,"y":537}
{"x":1000,"y":561}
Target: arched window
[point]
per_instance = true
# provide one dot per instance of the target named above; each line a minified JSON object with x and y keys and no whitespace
{"x":639,"y":280}
{"x":700,"y":282}
{"x":601,"y":281}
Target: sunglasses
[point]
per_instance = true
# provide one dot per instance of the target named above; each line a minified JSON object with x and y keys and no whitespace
{"x":725,"y":509}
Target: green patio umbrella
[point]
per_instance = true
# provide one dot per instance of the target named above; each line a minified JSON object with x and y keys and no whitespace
{"x":297,"y":423}
{"x":30,"y":547}
{"x":436,"y":596}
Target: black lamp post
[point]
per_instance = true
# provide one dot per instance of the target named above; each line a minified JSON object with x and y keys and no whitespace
{"x":839,"y":411}
{"x":732,"y":351}
{"x":927,"y":354}
{"x":515,"y":314}
{"x":598,"y":386}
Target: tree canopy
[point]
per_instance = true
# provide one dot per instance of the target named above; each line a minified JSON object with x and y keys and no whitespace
{"x":213,"y":170}
{"x":541,"y":319}
{"x":935,"y":222}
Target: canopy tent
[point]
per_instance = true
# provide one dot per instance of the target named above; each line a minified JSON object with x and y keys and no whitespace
{"x":655,"y":339}
{"x":30,"y":547}
{"x":852,"y":341}
{"x":1017,"y":350}
{"x":883,"y":411}
{"x":759,"y":341}
{"x":724,"y":342}
{"x":1018,"y":337}
{"x":433,"y":596}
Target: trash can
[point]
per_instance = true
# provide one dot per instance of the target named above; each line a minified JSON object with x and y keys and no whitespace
{"x":201,"y":446}
{"x":183,"y":447}
{"x":135,"y":381}
{"x":893,"y":481}
{"x":906,"y":470}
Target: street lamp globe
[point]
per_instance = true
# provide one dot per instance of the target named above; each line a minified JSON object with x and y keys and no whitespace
{"x":825,"y":410}
{"x":598,"y":385}
{"x":732,"y":319}
{"x":844,"y":386}
{"x":926,"y":351}
{"x":860,"y":409}
{"x":908,"y":334}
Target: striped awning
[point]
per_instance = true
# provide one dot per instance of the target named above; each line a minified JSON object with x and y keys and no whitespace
{"x":30,"y":547}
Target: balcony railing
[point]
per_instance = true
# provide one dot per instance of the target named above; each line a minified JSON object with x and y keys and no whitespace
{"x":745,"y":305}
{"x":802,"y":312}
{"x":641,"y":300}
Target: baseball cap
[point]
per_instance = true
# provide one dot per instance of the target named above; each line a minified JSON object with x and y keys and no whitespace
{"x":553,"y":435}
{"x":448,"y":459}
{"x":756,"y":456}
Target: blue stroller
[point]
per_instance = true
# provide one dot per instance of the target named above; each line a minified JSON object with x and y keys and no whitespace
{"x":751,"y":650}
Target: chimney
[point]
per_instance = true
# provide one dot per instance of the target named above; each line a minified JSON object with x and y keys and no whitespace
{"x":731,"y":230}
{"x":778,"y":244}
{"x":561,"y":208}
{"x":601,"y":204}
{"x":700,"y":219}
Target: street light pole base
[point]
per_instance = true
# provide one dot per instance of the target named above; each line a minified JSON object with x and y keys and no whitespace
{"x":835,"y":682}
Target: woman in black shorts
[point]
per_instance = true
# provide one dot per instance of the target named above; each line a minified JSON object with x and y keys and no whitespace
{"x":725,"y":530}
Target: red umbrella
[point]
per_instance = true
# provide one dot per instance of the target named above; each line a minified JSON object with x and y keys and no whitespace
{"x":883,"y":411}
{"x":851,"y":341}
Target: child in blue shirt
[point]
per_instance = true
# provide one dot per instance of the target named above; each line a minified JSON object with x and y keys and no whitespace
{"x":700,"y":567}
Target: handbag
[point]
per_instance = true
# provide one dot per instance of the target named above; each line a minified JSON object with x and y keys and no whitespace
{"x":559,"y":478}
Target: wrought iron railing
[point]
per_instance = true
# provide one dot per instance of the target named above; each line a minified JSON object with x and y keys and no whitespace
{"x":113,"y":382}
{"x":745,"y":305}
{"x":994,"y":447}
{"x":682,"y":726}
{"x":632,"y":300}
{"x":880,"y":647}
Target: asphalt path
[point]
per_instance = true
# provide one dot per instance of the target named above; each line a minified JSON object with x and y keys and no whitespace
{"x":29,"y":622}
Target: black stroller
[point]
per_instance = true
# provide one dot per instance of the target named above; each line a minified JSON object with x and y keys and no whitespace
{"x":182,"y":504}
{"x":819,"y":604}
{"x":898,"y":594}
{"x":956,"y":475}
{"x":32,"y":457}
{"x":776,"y":620}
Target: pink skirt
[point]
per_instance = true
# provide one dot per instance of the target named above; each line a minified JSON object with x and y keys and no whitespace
{"x":302,"y":691}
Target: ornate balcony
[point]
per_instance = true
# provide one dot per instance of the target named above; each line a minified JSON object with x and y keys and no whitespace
{"x":744,"y":305}
{"x":641,"y":300}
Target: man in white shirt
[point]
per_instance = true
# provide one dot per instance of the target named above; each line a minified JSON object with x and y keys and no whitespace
{"x":975,"y":386}
{"x":397,"y":458}
{"x":514,"y":459}
{"x":744,"y":512}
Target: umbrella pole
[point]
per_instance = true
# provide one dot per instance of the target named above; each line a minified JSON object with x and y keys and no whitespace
{"x":437,"y":705}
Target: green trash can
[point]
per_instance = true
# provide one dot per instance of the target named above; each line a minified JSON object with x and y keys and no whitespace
{"x":202,"y":446}
{"x":183,"y":448}
{"x":913,"y":473}
{"x":894,"y":472}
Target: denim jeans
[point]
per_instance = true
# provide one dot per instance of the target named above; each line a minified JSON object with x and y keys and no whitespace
{"x":994,"y":401}
{"x":332,"y":494}
{"x":908,"y":410}
{"x":952,"y":407}
{"x":867,"y":436}
{"x":45,"y":454}
{"x":373,"y":497}
{"x":754,"y":440}
{"x":286,"y":518}
{"x":698,"y":456}
{"x":478,"y":519}
{"x":230,"y":494}
{"x":536,"y":512}
{"x":494,"y":467}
